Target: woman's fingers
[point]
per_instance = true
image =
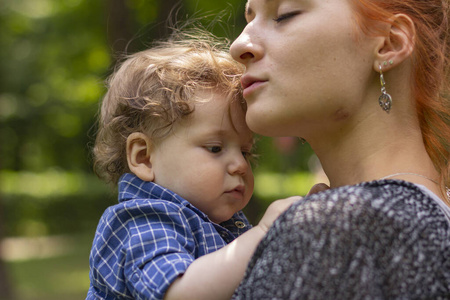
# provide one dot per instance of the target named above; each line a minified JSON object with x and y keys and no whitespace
{"x":320,"y":187}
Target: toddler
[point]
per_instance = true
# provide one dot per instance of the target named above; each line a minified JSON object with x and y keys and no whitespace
{"x":172,"y":133}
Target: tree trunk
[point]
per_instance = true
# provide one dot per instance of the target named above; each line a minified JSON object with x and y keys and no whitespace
{"x":168,"y":14}
{"x":6,"y":290}
{"x":119,"y":27}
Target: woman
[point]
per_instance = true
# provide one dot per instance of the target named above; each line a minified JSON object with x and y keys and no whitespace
{"x":363,"y":81}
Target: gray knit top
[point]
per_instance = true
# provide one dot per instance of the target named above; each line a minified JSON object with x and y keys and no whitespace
{"x":385,"y":239}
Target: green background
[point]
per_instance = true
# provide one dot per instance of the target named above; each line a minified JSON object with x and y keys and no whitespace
{"x":55,"y":56}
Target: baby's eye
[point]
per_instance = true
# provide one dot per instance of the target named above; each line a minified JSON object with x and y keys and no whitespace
{"x":214,"y":149}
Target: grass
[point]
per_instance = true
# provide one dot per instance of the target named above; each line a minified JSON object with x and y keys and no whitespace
{"x":55,"y":278}
{"x":65,"y":274}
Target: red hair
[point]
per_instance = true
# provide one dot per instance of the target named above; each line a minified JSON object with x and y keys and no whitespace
{"x":430,"y":76}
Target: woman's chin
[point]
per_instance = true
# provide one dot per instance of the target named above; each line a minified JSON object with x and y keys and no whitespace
{"x":265,"y":124}
{"x":264,"y":129}
{"x":256,"y":127}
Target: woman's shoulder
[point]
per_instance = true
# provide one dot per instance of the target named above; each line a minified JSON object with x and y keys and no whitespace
{"x":370,"y":207}
{"x":381,"y":239}
{"x":374,"y":192}
{"x":361,"y":240}
{"x":381,"y":195}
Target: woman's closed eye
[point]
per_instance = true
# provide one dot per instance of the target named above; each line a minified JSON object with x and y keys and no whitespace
{"x":286,"y":16}
{"x":247,"y":154}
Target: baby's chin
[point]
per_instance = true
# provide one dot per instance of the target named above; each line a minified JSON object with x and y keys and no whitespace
{"x":222,"y":218}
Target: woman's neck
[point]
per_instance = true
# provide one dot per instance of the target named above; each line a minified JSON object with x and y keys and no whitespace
{"x":375,"y":148}
{"x":372,"y":144}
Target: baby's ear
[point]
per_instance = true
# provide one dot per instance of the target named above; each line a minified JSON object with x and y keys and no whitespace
{"x":139,"y":148}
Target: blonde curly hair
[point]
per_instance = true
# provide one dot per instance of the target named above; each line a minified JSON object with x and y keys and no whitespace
{"x":151,"y":90}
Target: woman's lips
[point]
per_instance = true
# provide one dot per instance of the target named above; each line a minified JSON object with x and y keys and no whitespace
{"x":250,"y":84}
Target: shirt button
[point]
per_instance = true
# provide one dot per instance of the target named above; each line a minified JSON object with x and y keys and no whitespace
{"x":239,"y":224}
{"x":135,"y":278}
{"x":224,"y":234}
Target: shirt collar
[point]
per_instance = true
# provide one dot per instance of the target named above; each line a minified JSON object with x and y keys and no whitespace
{"x":132,"y":187}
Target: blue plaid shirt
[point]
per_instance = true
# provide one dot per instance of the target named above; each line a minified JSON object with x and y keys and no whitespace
{"x":150,"y":238}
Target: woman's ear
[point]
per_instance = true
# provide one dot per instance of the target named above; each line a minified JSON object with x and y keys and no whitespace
{"x":139,"y":148}
{"x":398,"y":43}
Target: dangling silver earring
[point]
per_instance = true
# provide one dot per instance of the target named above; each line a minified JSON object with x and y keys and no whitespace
{"x":385,"y":99}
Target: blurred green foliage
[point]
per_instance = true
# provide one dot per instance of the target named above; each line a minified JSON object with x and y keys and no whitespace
{"x":56,"y":277}
{"x":55,"y":56}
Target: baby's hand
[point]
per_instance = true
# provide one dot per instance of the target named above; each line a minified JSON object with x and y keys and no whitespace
{"x":274,"y":211}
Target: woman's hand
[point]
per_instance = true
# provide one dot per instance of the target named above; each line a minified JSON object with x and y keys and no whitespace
{"x":320,"y":187}
{"x":278,"y":207}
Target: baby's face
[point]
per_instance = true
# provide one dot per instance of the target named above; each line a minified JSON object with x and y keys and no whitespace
{"x":206,"y":158}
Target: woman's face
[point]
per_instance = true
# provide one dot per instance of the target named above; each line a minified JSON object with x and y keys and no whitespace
{"x":307,"y":65}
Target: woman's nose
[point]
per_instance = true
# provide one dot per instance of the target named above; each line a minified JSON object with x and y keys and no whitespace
{"x":246,"y":47}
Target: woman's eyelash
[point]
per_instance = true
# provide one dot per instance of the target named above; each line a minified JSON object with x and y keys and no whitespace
{"x":286,"y":16}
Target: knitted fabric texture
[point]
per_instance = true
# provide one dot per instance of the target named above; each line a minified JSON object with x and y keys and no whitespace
{"x":384,"y":239}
